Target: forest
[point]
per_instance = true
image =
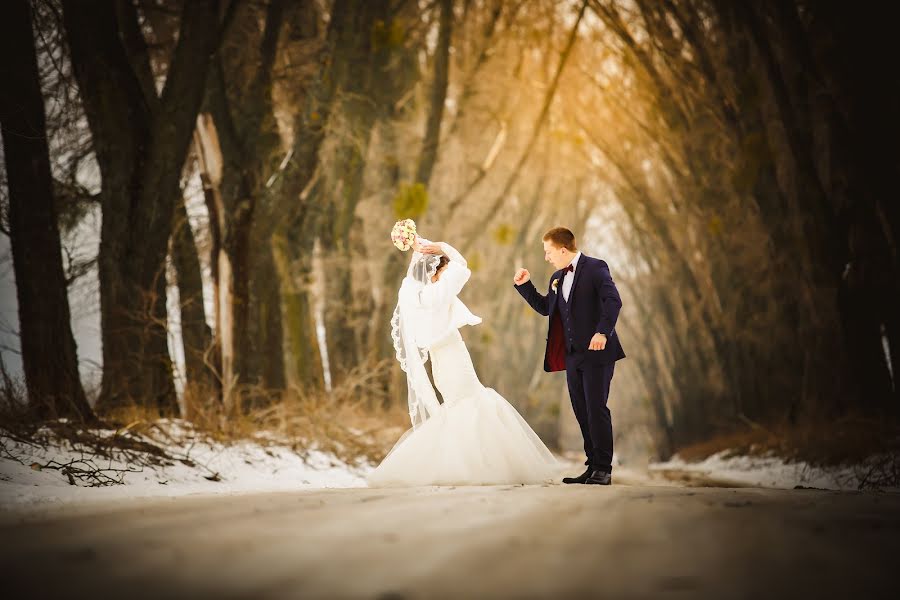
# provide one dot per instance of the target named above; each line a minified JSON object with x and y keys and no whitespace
{"x":211,"y":184}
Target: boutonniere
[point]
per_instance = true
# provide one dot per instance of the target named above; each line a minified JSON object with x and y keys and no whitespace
{"x":554,"y":284}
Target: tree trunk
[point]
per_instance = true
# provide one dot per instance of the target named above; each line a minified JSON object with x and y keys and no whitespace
{"x":49,"y":354}
{"x":196,"y":335}
{"x":269,"y":331}
{"x":396,"y":82}
{"x":209,"y":164}
{"x":247,"y":142}
{"x":140,"y":144}
{"x":299,"y":188}
{"x":428,"y":155}
{"x":363,"y":60}
{"x":305,"y":369}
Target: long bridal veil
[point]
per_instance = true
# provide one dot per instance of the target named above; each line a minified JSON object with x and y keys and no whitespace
{"x":422,"y":398}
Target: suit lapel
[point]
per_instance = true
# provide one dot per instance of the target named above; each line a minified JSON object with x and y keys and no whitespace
{"x":578,"y":270}
{"x":557,"y":293}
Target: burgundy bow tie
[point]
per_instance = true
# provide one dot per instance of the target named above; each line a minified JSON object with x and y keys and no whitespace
{"x":570,"y":268}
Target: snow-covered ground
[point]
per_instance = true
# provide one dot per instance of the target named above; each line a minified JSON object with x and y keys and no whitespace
{"x":200,"y":467}
{"x":769,"y":472}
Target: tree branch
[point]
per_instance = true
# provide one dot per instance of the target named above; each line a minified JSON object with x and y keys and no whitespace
{"x":535,"y":132}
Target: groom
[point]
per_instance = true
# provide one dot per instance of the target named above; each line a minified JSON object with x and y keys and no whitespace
{"x":583,"y":305}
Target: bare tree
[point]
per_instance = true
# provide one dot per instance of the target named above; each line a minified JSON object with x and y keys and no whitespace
{"x":49,"y":354}
{"x":239,"y":99}
{"x":140,"y":139}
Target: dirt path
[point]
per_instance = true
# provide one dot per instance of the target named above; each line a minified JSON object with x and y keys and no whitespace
{"x":543,"y":542}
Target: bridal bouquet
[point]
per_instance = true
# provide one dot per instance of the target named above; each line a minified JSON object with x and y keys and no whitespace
{"x":404,"y":234}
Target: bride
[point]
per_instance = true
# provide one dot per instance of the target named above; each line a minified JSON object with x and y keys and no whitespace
{"x":475,"y":436}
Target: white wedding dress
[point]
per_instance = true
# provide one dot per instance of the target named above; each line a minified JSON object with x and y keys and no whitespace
{"x":475,"y":437}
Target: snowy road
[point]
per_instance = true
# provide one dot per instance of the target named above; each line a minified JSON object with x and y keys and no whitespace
{"x":543,"y":542}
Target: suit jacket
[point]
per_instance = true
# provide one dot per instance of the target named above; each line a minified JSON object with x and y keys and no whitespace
{"x":594,"y":305}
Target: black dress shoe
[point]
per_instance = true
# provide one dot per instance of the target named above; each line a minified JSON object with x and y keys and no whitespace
{"x":580,"y":479}
{"x":599,"y":478}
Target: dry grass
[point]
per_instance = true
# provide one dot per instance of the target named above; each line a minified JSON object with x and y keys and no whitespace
{"x":845,"y":441}
{"x":13,"y":406}
{"x":356,"y":422}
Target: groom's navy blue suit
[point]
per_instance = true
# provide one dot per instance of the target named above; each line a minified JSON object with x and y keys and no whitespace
{"x":593,"y":307}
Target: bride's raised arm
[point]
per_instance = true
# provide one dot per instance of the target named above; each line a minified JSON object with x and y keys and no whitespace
{"x":453,"y":254}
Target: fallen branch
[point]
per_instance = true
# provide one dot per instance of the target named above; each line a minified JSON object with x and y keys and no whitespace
{"x":85,"y":471}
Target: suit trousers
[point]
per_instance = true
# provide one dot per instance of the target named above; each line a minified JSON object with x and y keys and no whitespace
{"x":589,"y":390}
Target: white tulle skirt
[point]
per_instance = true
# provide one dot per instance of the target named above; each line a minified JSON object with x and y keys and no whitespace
{"x":475,"y":438}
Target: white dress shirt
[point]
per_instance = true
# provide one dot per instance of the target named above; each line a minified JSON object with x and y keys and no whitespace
{"x":569,"y":277}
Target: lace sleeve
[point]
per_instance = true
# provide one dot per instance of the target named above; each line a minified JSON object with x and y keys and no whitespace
{"x":453,"y":254}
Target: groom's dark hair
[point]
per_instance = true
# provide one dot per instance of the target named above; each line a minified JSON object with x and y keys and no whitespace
{"x":561,"y":238}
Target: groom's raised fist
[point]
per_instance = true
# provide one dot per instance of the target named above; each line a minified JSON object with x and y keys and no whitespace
{"x":522,"y":276}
